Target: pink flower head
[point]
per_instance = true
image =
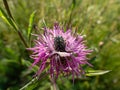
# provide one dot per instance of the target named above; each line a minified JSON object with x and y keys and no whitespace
{"x":60,"y":52}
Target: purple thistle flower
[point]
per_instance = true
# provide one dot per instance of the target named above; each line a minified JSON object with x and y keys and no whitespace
{"x":63,"y":52}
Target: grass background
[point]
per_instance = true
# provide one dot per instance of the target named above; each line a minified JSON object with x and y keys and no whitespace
{"x":99,"y":20}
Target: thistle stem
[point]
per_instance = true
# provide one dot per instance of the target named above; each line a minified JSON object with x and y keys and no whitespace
{"x":22,"y":39}
{"x":54,"y":85}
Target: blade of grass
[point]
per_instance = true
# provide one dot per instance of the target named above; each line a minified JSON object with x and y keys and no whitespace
{"x":31,"y":19}
{"x":7,"y":19}
{"x":7,"y":8}
{"x":96,"y":72}
{"x":31,"y":82}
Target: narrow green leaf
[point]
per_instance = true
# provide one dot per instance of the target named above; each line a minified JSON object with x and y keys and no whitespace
{"x":3,"y":16}
{"x":7,"y":19}
{"x":31,"y":19}
{"x":96,"y":72}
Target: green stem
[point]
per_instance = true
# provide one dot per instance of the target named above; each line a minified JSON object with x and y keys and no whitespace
{"x":31,"y":82}
{"x":22,"y":39}
{"x":54,"y":85}
{"x":7,"y":8}
{"x":10,"y":15}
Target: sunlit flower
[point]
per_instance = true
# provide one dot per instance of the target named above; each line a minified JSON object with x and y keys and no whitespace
{"x":60,"y":52}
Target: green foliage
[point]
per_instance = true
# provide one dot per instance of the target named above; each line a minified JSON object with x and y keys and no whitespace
{"x":95,"y":72}
{"x":8,"y":19}
{"x":30,"y":27}
{"x":97,"y":19}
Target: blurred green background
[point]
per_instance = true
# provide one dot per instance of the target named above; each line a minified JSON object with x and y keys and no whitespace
{"x":99,"y":20}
